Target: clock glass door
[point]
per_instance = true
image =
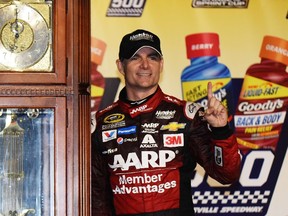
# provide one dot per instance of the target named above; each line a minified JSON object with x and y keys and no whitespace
{"x":26,"y":161}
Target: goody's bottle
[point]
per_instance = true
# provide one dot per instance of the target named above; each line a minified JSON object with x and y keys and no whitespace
{"x":263,"y":99}
{"x":203,"y":51}
{"x":98,"y":48}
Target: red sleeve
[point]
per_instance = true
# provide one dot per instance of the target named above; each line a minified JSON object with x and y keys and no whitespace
{"x":216,"y":150}
{"x":226,"y":161}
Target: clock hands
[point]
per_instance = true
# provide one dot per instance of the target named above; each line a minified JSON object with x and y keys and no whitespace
{"x":17,"y":28}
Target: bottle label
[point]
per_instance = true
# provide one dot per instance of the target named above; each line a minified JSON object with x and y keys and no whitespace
{"x":255,"y":88}
{"x":260,"y":113}
{"x":196,"y":90}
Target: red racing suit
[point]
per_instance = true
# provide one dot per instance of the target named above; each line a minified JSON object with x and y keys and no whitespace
{"x":143,"y":156}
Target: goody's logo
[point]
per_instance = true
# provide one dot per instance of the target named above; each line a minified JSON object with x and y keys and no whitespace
{"x":126,"y":8}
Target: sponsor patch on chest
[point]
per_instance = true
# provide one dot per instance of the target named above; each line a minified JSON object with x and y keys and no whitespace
{"x":173,"y":140}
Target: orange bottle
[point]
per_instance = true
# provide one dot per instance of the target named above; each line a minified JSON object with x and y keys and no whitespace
{"x":263,"y":99}
{"x":98,"y":48}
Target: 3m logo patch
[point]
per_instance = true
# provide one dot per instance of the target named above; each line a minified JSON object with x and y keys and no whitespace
{"x":173,"y":140}
{"x":126,"y":8}
{"x":109,"y":135}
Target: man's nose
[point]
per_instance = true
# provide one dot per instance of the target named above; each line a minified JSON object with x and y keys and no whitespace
{"x":144,"y":63}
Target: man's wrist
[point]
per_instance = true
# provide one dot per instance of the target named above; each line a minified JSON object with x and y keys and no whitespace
{"x":220,"y":133}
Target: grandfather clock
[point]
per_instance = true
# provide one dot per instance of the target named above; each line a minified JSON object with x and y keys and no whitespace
{"x":44,"y":107}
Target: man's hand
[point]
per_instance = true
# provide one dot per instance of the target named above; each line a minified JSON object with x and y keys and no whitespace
{"x":215,"y":114}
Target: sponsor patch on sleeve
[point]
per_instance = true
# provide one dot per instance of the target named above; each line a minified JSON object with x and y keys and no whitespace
{"x":218,"y":156}
{"x":191,"y":109}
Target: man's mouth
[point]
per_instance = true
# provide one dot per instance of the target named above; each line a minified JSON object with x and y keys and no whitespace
{"x":144,"y":74}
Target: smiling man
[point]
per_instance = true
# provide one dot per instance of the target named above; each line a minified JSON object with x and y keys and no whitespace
{"x":147,"y":144}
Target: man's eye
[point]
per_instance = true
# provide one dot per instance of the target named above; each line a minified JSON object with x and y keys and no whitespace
{"x":155,"y":57}
{"x":134,"y":58}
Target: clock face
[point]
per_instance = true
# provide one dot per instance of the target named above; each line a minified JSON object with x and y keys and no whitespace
{"x":25,"y":38}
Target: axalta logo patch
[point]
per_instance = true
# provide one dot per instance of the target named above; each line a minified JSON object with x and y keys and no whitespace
{"x":126,"y":8}
{"x":148,"y":142}
{"x":173,"y":140}
{"x":109,"y":135}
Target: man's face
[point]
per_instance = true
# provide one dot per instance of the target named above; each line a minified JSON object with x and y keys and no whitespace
{"x":142,"y":71}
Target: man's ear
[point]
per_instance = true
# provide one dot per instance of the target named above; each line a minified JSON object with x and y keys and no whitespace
{"x":162,"y":65}
{"x":120,"y":66}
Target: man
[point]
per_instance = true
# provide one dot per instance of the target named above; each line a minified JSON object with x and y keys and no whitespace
{"x":147,"y":144}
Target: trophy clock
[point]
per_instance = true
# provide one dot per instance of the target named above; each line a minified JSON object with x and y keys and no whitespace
{"x":44,"y":108}
{"x":26,"y":132}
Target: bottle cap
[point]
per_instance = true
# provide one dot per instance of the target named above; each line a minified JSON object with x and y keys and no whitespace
{"x":275,"y":49}
{"x":202,"y":44}
{"x":98,"y":48}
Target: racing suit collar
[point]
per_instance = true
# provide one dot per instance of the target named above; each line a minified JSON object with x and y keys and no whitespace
{"x":148,"y":105}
